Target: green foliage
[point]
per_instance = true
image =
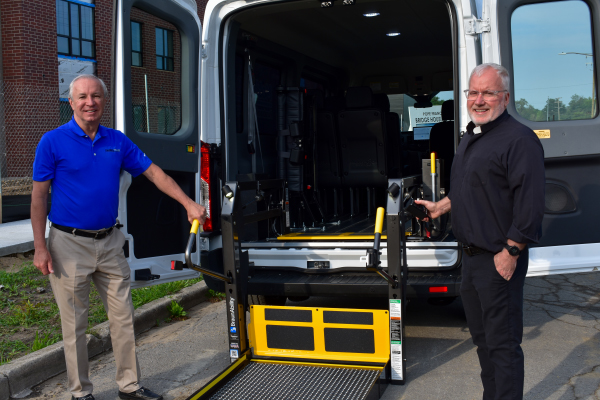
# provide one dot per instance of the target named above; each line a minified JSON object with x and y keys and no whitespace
{"x":48,"y":339}
{"x":435,"y":101}
{"x":9,"y":349}
{"x":176,"y":310}
{"x":145,"y":295}
{"x":578,"y":108}
{"x":24,"y":312}
{"x":28,"y":314}
{"x":15,"y":282}
{"x":218,"y":296}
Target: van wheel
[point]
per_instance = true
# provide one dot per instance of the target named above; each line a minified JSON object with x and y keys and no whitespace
{"x":441,"y":301}
{"x":260,"y":300}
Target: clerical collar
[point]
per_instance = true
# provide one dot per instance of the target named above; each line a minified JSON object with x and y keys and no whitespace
{"x":471,"y":128}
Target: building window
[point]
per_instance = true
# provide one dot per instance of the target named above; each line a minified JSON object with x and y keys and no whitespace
{"x":136,"y":44}
{"x":164,"y":49}
{"x":75,"y":29}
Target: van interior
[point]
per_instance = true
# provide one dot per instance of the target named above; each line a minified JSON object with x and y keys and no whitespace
{"x":323,"y":94}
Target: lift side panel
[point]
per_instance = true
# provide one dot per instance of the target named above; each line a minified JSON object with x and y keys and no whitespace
{"x":355,"y":335}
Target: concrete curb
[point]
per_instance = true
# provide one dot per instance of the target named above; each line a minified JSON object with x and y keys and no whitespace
{"x":20,"y":375}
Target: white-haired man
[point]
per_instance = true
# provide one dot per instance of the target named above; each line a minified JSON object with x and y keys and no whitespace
{"x":82,"y":161}
{"x":497,"y":202}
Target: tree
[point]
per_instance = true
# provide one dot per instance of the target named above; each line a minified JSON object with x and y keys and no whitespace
{"x":435,"y":101}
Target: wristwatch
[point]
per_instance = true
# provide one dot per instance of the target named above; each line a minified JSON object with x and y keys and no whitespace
{"x":512,"y":250}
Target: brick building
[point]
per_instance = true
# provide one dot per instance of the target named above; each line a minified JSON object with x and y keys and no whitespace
{"x":44,"y":45}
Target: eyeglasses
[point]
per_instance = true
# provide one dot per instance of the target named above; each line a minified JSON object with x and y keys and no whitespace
{"x":487,"y":94}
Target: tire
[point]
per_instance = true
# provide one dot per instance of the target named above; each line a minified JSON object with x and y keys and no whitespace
{"x":260,"y":300}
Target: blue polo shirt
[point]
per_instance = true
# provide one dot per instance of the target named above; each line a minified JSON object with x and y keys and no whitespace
{"x":85,"y":173}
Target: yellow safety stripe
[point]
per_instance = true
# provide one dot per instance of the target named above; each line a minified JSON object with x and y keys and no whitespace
{"x":319,"y":364}
{"x":219,"y":378}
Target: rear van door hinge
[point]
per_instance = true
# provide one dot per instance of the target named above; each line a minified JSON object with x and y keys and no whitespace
{"x":474,"y":26}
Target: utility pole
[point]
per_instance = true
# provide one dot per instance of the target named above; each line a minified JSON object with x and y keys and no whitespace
{"x":558,"y":106}
{"x":593,"y":77}
{"x":547,"y":108}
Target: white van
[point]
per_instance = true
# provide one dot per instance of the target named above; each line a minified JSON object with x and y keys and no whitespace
{"x":307,"y":104}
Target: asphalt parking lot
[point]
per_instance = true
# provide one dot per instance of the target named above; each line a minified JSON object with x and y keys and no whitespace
{"x":561,"y":345}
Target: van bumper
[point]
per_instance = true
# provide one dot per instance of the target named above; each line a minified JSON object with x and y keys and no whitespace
{"x":282,"y":282}
{"x":366,"y":284}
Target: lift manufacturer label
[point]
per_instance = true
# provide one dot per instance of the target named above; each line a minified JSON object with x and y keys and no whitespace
{"x":396,"y":338}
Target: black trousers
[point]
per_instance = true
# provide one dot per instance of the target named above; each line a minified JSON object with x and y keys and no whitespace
{"x":494,"y":310}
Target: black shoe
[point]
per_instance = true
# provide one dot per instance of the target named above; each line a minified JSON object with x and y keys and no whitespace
{"x":141,"y":393}
{"x":86,"y":397}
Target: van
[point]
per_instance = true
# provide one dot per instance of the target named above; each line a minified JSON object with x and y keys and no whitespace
{"x":309,"y":109}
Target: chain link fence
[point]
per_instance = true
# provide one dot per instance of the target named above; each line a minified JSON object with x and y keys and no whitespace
{"x":163,"y":116}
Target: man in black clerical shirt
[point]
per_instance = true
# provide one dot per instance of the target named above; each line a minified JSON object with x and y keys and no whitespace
{"x":497,"y":201}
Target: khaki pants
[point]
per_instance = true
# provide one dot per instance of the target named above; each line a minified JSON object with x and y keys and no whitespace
{"x":78,"y":260}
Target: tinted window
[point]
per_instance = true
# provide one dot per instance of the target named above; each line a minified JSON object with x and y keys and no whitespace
{"x":553,"y":61}
{"x":155,"y":83}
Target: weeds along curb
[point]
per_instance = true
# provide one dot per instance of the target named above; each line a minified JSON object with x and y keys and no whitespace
{"x":20,"y":375}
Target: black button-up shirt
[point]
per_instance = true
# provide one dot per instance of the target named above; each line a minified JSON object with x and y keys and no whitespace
{"x":497,"y":185}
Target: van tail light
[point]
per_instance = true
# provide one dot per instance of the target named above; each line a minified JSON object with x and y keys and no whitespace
{"x":205,"y":184}
{"x":438,"y":289}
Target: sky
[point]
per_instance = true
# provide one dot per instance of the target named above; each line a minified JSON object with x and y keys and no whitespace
{"x":540,"y":32}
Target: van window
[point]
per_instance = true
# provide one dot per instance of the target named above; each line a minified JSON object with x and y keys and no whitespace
{"x":155,"y":74}
{"x":402,"y":104}
{"x":553,"y":61}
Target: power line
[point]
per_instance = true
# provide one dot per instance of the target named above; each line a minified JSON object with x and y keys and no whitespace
{"x":557,"y":87}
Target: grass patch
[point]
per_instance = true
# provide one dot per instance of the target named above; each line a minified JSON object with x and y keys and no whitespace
{"x":177,"y":311}
{"x":214,"y":296}
{"x":145,"y":295}
{"x":30,"y":319}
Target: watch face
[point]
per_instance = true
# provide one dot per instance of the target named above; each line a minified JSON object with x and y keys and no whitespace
{"x":513,"y":250}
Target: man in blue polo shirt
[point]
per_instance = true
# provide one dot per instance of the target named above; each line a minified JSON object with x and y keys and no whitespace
{"x":82,"y":162}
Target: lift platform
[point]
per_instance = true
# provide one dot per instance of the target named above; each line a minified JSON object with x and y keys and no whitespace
{"x":308,"y":352}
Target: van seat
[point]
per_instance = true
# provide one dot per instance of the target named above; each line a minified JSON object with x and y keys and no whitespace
{"x":441,"y":140}
{"x":327,"y":147}
{"x":394,"y":147}
{"x":362,"y":128}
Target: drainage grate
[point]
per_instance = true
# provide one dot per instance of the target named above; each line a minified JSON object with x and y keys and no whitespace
{"x":264,"y":381}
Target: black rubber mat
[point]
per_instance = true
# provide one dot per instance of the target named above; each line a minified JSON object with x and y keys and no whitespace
{"x":265,"y":381}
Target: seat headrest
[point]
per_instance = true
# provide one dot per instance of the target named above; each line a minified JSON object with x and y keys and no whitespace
{"x":381,"y":101}
{"x":359,"y":97}
{"x":448,"y":110}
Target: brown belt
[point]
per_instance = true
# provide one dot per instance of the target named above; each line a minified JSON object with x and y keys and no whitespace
{"x":101,"y":234}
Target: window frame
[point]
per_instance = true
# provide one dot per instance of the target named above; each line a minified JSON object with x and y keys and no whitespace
{"x":141,"y":44}
{"x":165,"y":58}
{"x":70,"y":38}
{"x":552,"y":101}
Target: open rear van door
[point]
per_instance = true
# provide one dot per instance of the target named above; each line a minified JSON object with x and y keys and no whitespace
{"x":550,"y":49}
{"x":157,"y":106}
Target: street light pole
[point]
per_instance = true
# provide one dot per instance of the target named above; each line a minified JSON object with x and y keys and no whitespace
{"x":593,"y":77}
